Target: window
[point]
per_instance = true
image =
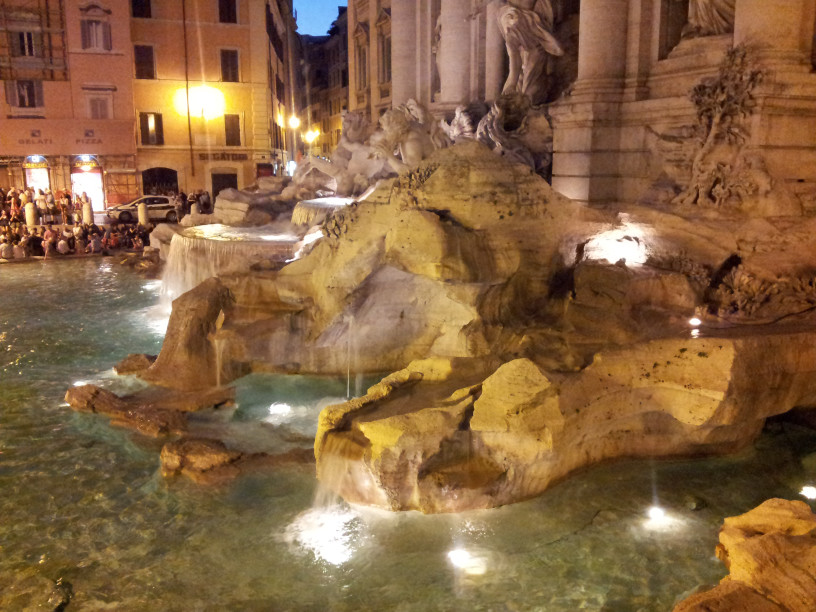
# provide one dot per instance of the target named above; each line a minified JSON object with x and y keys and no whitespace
{"x":95,"y":35}
{"x":140,"y":8}
{"x":99,"y":107}
{"x":24,"y":94}
{"x":227,"y":11}
{"x":362,"y":67}
{"x":384,"y":40}
{"x":145,"y":65}
{"x":232,"y":130}
{"x":26,"y":44}
{"x":229,"y":65}
{"x":150,"y":126}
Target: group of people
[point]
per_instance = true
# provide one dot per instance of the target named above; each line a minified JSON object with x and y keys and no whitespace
{"x":20,"y":242}
{"x":59,"y":207}
{"x":185,"y":203}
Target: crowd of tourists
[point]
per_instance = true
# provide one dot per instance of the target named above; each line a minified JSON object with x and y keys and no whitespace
{"x":60,"y":230}
{"x":59,"y":207}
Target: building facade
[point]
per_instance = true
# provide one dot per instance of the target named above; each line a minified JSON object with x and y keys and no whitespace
{"x":370,"y":54}
{"x":621,"y":85}
{"x":326,"y":92}
{"x":67,"y":112}
{"x":123,"y":97}
{"x":209,"y":91}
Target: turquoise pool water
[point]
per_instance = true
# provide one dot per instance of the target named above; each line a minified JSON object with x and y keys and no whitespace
{"x":84,"y":502}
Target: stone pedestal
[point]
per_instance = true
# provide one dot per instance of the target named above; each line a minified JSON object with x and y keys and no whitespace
{"x":32,"y":215}
{"x":455,"y":59}
{"x":142,"y":213}
{"x":781,"y":34}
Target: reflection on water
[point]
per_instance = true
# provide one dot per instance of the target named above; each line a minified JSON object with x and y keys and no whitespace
{"x":85,"y":502}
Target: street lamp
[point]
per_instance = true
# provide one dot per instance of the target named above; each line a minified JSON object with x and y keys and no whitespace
{"x":294,"y":122}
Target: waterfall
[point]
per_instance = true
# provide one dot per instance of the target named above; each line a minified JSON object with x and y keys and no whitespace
{"x":198,"y":254}
{"x":311,"y":212}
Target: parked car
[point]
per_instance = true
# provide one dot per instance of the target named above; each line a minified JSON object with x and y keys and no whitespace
{"x":159,"y":208}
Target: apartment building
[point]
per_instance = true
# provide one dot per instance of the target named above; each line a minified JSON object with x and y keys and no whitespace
{"x":123,"y":97}
{"x":67,"y":113}
{"x":209,"y":91}
{"x":326,"y":91}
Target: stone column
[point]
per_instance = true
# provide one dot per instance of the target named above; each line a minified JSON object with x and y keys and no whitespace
{"x":602,"y":47}
{"x":31,"y":214}
{"x":781,"y":31}
{"x":454,"y":46}
{"x":495,"y":53}
{"x":87,"y":213}
{"x":142,"y":214}
{"x":403,"y":51}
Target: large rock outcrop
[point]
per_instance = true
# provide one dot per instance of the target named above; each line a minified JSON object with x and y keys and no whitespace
{"x":558,"y":334}
{"x":771,"y":556}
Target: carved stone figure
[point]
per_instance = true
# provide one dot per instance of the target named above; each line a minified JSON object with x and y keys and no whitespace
{"x":408,"y":134}
{"x":436,"y":70}
{"x":527,"y":29}
{"x":461,"y":126}
{"x":709,"y":18}
{"x":516,"y":130}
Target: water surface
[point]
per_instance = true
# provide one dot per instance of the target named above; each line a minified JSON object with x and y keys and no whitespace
{"x":85,"y":502}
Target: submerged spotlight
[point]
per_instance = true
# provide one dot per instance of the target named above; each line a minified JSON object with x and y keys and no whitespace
{"x":808,"y":492}
{"x":695,"y":322}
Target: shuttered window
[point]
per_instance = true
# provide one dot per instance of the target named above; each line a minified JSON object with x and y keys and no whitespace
{"x":26,"y":44}
{"x":24,"y":94}
{"x":151,"y":128}
{"x":99,"y":108}
{"x":229,"y":65}
{"x":140,"y":8}
{"x":227,"y":11}
{"x":145,"y":65}
{"x":95,"y":35}
{"x":232,"y":128}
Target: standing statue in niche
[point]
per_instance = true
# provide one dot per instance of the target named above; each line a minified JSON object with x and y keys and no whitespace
{"x":527,"y":29}
{"x":709,"y":18}
{"x":436,"y":52}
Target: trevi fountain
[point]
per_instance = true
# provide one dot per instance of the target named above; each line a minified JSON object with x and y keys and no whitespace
{"x":543,"y":338}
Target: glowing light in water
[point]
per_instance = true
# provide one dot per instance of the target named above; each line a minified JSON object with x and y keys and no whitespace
{"x":627,"y":242}
{"x":808,"y":492}
{"x":467,"y":562}
{"x":695,"y":322}
{"x":330,"y":533}
{"x":279,"y":412}
{"x":80,"y":383}
{"x":658,"y":519}
{"x":695,"y":333}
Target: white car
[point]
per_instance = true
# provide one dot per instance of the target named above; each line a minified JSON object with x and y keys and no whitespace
{"x":159,"y":208}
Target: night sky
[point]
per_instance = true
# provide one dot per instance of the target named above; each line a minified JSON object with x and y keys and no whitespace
{"x":316,"y":16}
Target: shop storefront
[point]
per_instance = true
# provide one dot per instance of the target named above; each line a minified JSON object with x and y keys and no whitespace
{"x":86,"y":177}
{"x":36,"y":173}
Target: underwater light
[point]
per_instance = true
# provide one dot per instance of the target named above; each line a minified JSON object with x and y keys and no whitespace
{"x":695,"y":322}
{"x":329,"y":533}
{"x":468,"y":563}
{"x":80,"y":383}
{"x":659,"y":519}
{"x":808,"y":492}
{"x":656,"y":514}
{"x":695,"y":333}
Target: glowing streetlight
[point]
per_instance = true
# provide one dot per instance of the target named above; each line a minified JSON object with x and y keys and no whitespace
{"x":205,"y":101}
{"x":294,"y":122}
{"x":311,"y":136}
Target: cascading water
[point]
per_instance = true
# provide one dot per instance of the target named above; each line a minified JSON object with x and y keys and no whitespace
{"x":212,"y":250}
{"x":311,"y":212}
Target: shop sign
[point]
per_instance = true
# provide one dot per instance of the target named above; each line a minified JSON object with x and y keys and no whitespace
{"x":223,"y":156}
{"x":35,"y":139}
{"x":89,"y":139}
{"x":35,"y":161}
{"x":85,"y":162}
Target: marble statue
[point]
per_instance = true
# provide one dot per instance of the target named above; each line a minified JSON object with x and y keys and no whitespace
{"x":709,"y":18}
{"x":526,"y":26}
{"x":407,"y":135}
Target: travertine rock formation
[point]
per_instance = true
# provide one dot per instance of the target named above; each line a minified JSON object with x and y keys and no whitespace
{"x":549,"y":335}
{"x":771,"y":555}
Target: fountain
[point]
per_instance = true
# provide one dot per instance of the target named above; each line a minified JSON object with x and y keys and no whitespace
{"x":526,"y":340}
